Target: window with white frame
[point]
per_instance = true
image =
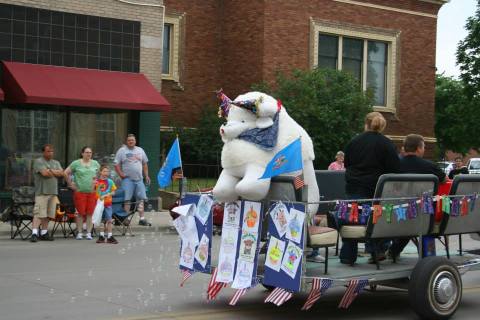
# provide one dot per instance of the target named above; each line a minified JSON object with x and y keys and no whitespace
{"x":171,"y":47}
{"x":368,"y":54}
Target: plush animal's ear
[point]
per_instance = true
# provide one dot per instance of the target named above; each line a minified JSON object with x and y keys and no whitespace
{"x":268,"y":106}
{"x":264,"y":122}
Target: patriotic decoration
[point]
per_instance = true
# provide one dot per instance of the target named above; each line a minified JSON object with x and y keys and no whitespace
{"x":353,"y":290}
{"x":172,"y":163}
{"x":214,"y":287}
{"x":185,"y":275}
{"x":298,"y":182}
{"x":319,"y":287}
{"x":224,"y":105}
{"x":241,"y":292}
{"x":279,"y":296}
{"x":287,"y":160}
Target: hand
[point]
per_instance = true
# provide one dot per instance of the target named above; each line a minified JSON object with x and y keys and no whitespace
{"x":73,"y":186}
{"x":147,"y":180}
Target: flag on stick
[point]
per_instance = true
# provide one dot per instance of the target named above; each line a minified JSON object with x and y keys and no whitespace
{"x":319,"y":287}
{"x":279,"y":296}
{"x":287,"y":160}
{"x":214,"y":287}
{"x":238,"y":294}
{"x":185,"y":275}
{"x":172,"y":162}
{"x":353,"y":290}
{"x":298,"y":182}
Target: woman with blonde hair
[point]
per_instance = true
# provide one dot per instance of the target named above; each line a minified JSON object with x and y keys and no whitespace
{"x":367,"y":156}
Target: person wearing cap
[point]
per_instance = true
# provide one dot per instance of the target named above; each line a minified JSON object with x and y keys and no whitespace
{"x":338,"y":163}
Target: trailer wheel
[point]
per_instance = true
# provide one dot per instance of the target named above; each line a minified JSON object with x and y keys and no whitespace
{"x":435,"y":288}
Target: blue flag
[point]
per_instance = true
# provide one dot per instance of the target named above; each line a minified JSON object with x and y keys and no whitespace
{"x":172,"y":162}
{"x":286,"y":160}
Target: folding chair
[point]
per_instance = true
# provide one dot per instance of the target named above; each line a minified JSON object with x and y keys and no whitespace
{"x":122,"y":220}
{"x":65,"y":216}
{"x":21,"y":214}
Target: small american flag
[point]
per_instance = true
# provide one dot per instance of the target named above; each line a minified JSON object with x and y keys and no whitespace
{"x":238,"y":294}
{"x":298,"y":182}
{"x":353,"y":290}
{"x":185,"y":275}
{"x":319,"y":287}
{"x":278,"y":296}
{"x":214,"y":287}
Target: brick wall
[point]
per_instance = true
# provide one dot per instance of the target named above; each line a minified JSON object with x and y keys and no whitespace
{"x":150,"y":17}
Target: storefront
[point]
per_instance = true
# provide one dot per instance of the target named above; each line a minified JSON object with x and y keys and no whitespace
{"x":74,"y":79}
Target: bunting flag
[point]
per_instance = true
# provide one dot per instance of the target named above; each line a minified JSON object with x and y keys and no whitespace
{"x":427,"y":204}
{"x":412,"y":209}
{"x":472,"y":201}
{"x":214,"y":287}
{"x":342,"y":208}
{"x":464,"y":206}
{"x":438,"y":209}
{"x":353,"y":218}
{"x":279,"y":296}
{"x":446,"y":204}
{"x":238,"y":294}
{"x":377,"y":212}
{"x":366,"y":210}
{"x":298,"y":182}
{"x":353,"y":290}
{"x":455,"y":209}
{"x":401,"y":213}
{"x":319,"y":287}
{"x":185,"y":275}
{"x":388,"y":212}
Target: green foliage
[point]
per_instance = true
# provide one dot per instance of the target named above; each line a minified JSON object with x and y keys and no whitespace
{"x":456,"y":116}
{"x":198,"y":145}
{"x":328,"y":104}
{"x":468,"y":55}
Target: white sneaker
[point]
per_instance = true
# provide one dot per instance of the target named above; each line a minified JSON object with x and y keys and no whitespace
{"x":89,"y":237}
{"x":79,"y":236}
{"x":317,"y":258}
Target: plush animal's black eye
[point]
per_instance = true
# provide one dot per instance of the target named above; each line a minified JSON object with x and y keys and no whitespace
{"x":243,"y":121}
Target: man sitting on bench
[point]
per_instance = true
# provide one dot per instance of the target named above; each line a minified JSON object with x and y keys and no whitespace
{"x":413,"y":162}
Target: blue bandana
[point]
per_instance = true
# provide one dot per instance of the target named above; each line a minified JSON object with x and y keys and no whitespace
{"x":265,"y":138}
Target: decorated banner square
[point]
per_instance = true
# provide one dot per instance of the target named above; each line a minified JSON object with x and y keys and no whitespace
{"x":276,"y":248}
{"x":280,"y":216}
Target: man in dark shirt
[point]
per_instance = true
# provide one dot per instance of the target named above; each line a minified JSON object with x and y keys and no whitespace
{"x":459,"y":168}
{"x":412,"y":162}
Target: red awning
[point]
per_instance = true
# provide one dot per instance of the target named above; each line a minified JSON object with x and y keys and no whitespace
{"x":42,"y":84}
{"x":1,"y":94}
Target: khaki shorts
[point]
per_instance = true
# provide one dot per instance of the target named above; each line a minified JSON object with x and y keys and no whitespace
{"x":45,"y":206}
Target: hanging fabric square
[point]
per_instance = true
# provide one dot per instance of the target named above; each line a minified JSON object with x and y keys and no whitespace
{"x":353,"y":218}
{"x":464,"y":207}
{"x":412,"y":209}
{"x":388,"y":212}
{"x":446,"y":204}
{"x":401,"y":213}
{"x":366,"y":210}
{"x":455,"y":211}
{"x":473,"y":199}
{"x":377,"y":213}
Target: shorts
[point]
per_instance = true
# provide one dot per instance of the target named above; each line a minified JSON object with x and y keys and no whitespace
{"x":85,"y":203}
{"x":107,"y":214}
{"x":45,"y":206}
{"x":134,"y":188}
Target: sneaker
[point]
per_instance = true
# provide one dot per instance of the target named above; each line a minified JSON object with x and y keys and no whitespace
{"x":101,"y":239}
{"x":79,"y":236}
{"x":144,"y":222}
{"x":34,"y":238}
{"x":315,"y":258}
{"x":46,"y":237}
{"x":112,"y":240}
{"x":380,"y":257}
{"x":89,"y":237}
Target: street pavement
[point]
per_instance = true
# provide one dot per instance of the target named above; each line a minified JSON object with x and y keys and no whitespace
{"x":139,"y":279}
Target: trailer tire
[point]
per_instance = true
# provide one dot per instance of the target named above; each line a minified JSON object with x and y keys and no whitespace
{"x":435,"y":288}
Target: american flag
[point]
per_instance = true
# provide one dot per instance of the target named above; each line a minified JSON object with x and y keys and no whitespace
{"x":186,"y":274}
{"x":319,"y":287}
{"x":298,"y":182}
{"x":279,"y":296}
{"x":214,"y":287}
{"x":238,"y":294}
{"x":353,"y":290}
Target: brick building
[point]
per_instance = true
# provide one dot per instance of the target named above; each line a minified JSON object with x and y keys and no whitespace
{"x":389,"y":45}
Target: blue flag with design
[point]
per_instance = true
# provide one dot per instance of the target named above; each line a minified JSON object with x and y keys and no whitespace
{"x":173,"y":161}
{"x":287,"y":160}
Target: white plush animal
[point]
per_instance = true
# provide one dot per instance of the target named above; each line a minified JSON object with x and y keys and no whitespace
{"x":244,"y":162}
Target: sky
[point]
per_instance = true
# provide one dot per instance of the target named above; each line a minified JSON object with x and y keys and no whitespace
{"x":450,"y":30}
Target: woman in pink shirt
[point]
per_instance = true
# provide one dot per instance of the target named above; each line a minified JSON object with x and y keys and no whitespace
{"x":338,"y":163}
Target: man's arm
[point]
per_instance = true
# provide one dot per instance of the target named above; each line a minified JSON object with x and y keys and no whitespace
{"x":145,"y":173}
{"x":119,"y":171}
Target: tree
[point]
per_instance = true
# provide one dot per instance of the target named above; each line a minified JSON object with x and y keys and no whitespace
{"x":329,"y":104}
{"x":456,"y":116}
{"x":468,"y":55}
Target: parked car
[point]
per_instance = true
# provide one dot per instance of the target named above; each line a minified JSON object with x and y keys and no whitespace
{"x":474,"y":165}
{"x":446,"y":166}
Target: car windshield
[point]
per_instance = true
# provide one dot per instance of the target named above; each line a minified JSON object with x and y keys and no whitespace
{"x":475,"y":165}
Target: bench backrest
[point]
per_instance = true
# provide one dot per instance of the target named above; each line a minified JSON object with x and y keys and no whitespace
{"x":403,"y":185}
{"x":463,"y":185}
{"x":331,"y":185}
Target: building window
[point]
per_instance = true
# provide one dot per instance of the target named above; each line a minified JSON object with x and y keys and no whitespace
{"x":33,"y":130}
{"x":369,"y":54}
{"x":171,"y":47}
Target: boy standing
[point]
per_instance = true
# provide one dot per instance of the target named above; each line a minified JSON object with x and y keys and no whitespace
{"x":105,"y":189}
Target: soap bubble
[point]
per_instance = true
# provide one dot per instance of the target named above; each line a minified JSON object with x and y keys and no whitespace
{"x":163,"y":296}
{"x":86,"y":293}
{"x":90,"y":272}
{"x":151,"y":282}
{"x":119,"y":295}
{"x":120,"y":311}
{"x":52,"y":291}
{"x":72,"y":299}
{"x":109,"y":299}
{"x":169,"y":308}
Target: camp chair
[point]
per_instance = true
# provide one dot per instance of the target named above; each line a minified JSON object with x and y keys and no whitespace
{"x":283,"y":188}
{"x":395,"y":186}
{"x":122,"y":220}
{"x":65,"y":215}
{"x":452,"y":225}
{"x":21,"y":212}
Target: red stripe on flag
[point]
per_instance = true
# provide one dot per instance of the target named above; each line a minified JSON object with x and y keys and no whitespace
{"x":349,"y":295}
{"x":186,"y":274}
{"x":238,"y":294}
{"x":298,"y":182}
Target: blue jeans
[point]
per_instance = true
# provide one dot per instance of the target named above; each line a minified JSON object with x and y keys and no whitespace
{"x":107,"y":214}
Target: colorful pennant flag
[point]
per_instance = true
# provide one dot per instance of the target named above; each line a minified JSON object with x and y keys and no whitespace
{"x":287,"y":160}
{"x":377,"y":213}
{"x":185,"y":275}
{"x":455,"y":209}
{"x":319,"y":287}
{"x":214,"y":287}
{"x":464,"y":206}
{"x":388,"y":212}
{"x":353,"y":218}
{"x":353,"y":290}
{"x":446,"y":204}
{"x":401,"y":213}
{"x":279,"y":296}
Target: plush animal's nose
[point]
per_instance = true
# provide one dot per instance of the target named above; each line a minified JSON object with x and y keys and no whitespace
{"x":222,"y":131}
